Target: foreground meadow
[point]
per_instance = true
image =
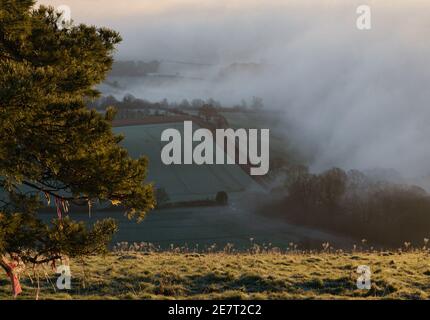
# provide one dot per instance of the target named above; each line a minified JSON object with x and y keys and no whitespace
{"x":269,"y":275}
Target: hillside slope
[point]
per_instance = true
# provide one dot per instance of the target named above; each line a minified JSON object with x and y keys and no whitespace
{"x":183,"y":182}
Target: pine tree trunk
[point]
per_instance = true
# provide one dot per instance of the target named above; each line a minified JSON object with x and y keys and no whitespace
{"x":8,"y":267}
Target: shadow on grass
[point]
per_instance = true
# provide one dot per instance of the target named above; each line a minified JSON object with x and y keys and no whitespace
{"x":175,"y":285}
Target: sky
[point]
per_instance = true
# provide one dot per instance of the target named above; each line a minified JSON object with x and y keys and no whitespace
{"x":355,"y":99}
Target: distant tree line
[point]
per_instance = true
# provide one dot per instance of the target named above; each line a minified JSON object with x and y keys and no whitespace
{"x":353,"y":204}
{"x":131,"y":107}
{"x":131,"y":102}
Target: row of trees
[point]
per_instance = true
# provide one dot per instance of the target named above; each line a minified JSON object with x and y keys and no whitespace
{"x":356,"y":205}
{"x":129,"y":102}
{"x":132,"y":103}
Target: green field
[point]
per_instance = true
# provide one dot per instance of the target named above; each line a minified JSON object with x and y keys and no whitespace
{"x":183,"y":182}
{"x":251,"y":275}
{"x":201,"y":226}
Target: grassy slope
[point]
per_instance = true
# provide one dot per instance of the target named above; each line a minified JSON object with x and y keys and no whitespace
{"x":280,"y":146}
{"x":239,"y":276}
{"x":182,"y":182}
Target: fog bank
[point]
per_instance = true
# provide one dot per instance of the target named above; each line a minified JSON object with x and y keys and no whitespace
{"x":355,"y":99}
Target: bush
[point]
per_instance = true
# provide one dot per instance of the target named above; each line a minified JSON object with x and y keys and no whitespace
{"x":222,"y":198}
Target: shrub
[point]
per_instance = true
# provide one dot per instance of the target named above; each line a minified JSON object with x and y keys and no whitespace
{"x":222,"y":198}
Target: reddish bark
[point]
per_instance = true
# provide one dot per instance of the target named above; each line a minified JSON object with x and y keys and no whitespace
{"x":9,"y":267}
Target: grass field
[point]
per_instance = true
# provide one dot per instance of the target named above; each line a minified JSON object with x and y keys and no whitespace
{"x":251,"y":275}
{"x":182,"y":182}
{"x":203,"y":226}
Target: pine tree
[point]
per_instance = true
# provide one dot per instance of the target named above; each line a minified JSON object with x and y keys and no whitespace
{"x":52,"y":147}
